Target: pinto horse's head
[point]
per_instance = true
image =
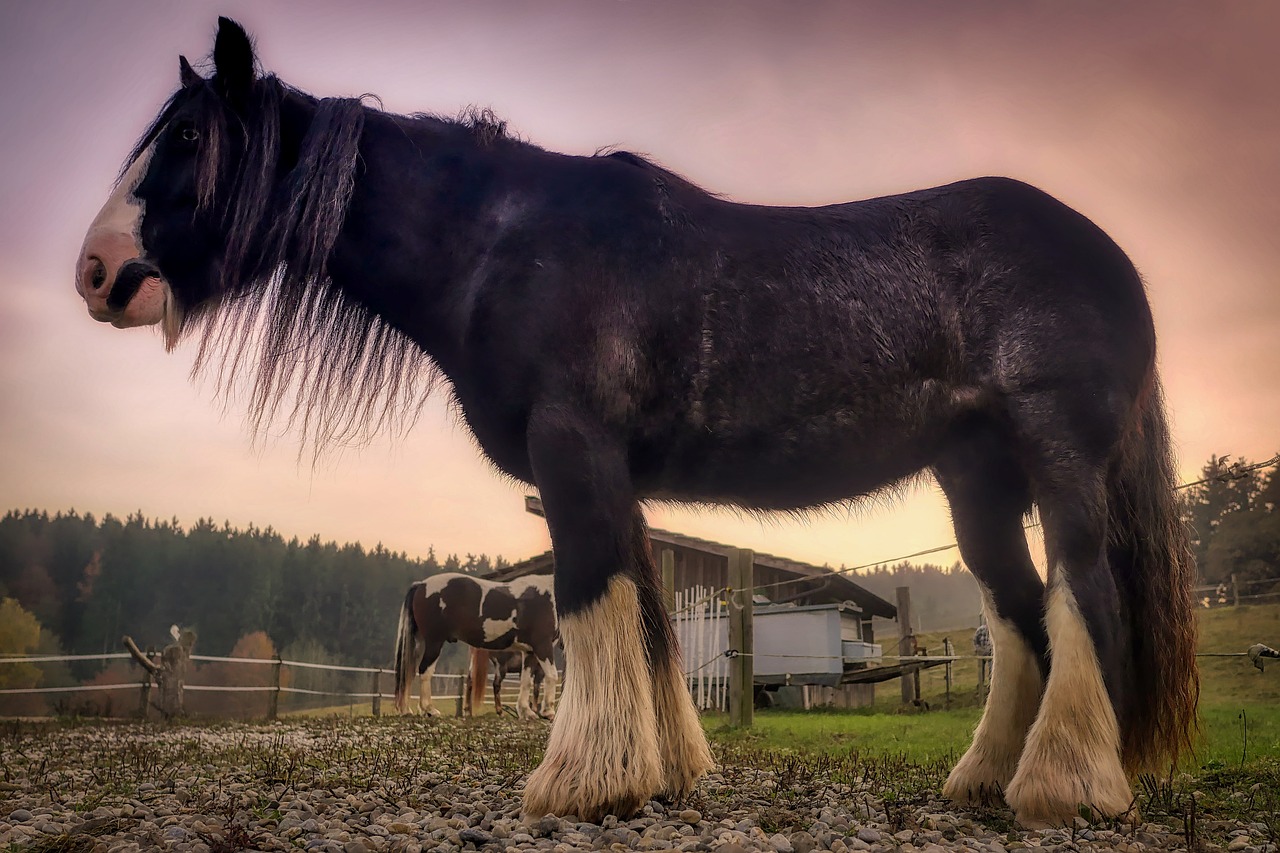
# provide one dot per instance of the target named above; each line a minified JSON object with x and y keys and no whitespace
{"x":156,"y":251}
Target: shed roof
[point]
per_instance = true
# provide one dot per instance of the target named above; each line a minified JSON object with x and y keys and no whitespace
{"x":840,"y":587}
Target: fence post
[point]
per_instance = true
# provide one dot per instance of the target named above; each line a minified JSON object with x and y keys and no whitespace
{"x":669,"y":579}
{"x":948,"y":649}
{"x":1235,"y":590}
{"x":906,"y":644}
{"x":144,"y":701}
{"x":273,"y":706}
{"x":464,"y":708}
{"x":377,"y":693}
{"x":915,"y":676}
{"x":741,"y":637}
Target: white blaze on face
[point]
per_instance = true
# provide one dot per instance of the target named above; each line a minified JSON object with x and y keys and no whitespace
{"x":115,"y":238}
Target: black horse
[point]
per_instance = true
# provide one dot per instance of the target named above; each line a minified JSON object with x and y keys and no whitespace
{"x":612,"y":333}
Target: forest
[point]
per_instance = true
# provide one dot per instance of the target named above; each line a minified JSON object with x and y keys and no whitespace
{"x":83,"y":582}
{"x":74,"y":584}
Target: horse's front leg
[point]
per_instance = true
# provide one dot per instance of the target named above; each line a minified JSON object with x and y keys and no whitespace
{"x":550,"y":680}
{"x":524,"y":704}
{"x":603,"y":754}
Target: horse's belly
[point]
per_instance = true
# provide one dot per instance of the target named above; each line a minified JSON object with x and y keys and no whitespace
{"x":793,"y":470}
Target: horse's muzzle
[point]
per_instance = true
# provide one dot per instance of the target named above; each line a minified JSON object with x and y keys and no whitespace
{"x":128,"y":280}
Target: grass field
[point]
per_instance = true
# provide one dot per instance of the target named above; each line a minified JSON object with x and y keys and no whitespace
{"x":1223,"y":679}
{"x":1239,"y":706}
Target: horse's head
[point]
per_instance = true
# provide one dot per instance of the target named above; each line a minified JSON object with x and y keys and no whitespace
{"x":157,"y":249}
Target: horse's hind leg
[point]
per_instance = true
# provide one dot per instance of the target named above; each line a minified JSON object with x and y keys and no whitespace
{"x":989,"y":496}
{"x":602,"y":756}
{"x":426,"y":669}
{"x":1072,"y":758}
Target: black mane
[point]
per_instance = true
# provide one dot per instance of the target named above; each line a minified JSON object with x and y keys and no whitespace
{"x":314,"y":357}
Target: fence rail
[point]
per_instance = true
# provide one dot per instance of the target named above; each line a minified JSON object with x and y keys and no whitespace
{"x":277,"y":688}
{"x":144,"y":685}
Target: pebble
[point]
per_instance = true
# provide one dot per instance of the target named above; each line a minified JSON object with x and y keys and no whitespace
{"x":364,"y":789}
{"x":781,"y":843}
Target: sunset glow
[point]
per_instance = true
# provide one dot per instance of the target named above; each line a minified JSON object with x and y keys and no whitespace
{"x":1159,"y":122}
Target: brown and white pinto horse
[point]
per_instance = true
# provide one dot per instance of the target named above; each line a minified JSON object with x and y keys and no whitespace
{"x":484,"y":614}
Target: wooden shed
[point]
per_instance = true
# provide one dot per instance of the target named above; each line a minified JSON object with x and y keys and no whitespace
{"x":793,"y":594}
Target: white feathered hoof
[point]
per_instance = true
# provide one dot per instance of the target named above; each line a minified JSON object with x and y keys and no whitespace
{"x":602,"y":757}
{"x":971,"y":783}
{"x":685,"y":754}
{"x":592,"y":785}
{"x":1071,"y":763}
{"x":988,"y":766}
{"x":1055,"y":799}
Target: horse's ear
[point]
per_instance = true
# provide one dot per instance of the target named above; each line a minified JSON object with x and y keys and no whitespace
{"x":187,"y":74}
{"x":232,"y":60}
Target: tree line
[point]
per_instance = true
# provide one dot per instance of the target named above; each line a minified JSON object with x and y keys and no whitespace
{"x":1232,"y":512}
{"x":72,"y":583}
{"x":84,"y":582}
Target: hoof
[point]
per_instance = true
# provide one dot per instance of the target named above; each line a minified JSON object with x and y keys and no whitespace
{"x":561,"y":787}
{"x":602,"y":755}
{"x":974,"y":793}
{"x":681,"y":741}
{"x":1053,"y":799}
{"x":978,"y":780}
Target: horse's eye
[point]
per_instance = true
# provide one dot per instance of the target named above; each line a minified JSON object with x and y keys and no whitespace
{"x":189,"y":134}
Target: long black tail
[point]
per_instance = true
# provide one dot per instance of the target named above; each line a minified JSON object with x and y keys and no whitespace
{"x":404,"y":650}
{"x":1154,"y":570}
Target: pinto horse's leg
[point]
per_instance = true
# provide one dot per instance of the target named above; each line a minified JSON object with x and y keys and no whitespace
{"x":602,"y":756}
{"x":499,"y":675}
{"x":989,"y":496}
{"x":524,"y":703}
{"x":426,"y":669}
{"x":1072,"y":757}
{"x":546,"y":662}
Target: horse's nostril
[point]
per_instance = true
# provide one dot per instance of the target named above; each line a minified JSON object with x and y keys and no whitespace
{"x":99,"y":276}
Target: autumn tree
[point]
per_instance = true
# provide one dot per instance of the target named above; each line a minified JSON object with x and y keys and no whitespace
{"x":19,"y":635}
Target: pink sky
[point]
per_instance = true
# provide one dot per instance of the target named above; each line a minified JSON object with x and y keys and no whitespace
{"x":1161,"y":121}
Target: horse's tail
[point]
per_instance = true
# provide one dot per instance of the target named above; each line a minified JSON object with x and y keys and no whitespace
{"x":479,"y":675}
{"x":1154,"y":570}
{"x":404,"y":650}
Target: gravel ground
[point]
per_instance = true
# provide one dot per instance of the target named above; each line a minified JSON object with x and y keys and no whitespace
{"x":414,"y":785}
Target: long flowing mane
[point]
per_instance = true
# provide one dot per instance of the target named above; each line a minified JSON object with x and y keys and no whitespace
{"x":308,"y":355}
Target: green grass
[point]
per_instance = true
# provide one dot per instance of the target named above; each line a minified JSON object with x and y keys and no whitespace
{"x":944,"y":735}
{"x":919,"y":736}
{"x":1222,"y":679}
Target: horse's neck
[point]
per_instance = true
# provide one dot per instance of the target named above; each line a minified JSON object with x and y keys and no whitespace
{"x":409,"y":204}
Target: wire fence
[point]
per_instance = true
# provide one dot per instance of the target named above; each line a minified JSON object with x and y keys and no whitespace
{"x":1234,"y":472}
{"x":222,"y":687}
{"x":934,"y":672}
{"x":1236,"y":591}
